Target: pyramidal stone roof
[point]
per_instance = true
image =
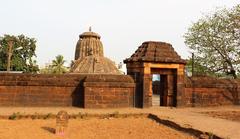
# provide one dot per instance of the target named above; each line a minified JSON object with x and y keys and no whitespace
{"x":157,"y":52}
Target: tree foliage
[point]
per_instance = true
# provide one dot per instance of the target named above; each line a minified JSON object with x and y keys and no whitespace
{"x":23,"y":52}
{"x":215,"y":41}
{"x":199,"y":70}
{"x":56,"y":67}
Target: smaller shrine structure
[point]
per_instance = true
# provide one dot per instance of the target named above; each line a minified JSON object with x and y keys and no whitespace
{"x":156,"y":58}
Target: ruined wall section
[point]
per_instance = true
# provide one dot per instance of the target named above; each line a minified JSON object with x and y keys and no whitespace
{"x":207,"y":91}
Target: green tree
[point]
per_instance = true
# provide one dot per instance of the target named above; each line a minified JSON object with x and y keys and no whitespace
{"x":58,"y":65}
{"x":215,"y":41}
{"x":46,"y":70}
{"x":23,"y":52}
{"x":199,"y":70}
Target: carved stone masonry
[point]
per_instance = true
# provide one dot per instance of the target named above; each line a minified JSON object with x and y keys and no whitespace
{"x":61,"y":123}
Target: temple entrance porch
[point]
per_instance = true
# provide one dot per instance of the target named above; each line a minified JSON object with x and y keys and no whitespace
{"x":156,"y":58}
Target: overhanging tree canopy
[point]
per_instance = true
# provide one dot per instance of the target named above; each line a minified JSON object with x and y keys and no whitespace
{"x":215,"y":40}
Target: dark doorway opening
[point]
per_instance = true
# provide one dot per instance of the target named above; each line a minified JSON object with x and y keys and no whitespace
{"x":163,"y":90}
{"x":159,"y":90}
{"x":164,"y":85}
{"x":156,"y":80}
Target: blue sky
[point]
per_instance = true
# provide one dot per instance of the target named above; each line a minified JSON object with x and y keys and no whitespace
{"x":123,"y":24}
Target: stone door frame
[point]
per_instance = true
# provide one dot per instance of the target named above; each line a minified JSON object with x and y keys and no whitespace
{"x":142,"y":74}
{"x":167,"y":86}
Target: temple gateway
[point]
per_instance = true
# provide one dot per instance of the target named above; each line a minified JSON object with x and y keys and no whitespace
{"x":157,"y":58}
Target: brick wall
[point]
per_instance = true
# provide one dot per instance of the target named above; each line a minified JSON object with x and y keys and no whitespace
{"x":206,"y":91}
{"x":63,"y":90}
{"x":108,"y":91}
{"x":41,"y":90}
{"x":105,"y":91}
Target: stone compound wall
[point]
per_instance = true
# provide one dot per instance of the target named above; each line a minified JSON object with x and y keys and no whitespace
{"x":105,"y":92}
{"x":64,"y":90}
{"x":206,"y":91}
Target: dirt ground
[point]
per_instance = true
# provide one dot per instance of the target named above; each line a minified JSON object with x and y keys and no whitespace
{"x":119,"y":128}
{"x":228,"y":115}
{"x":196,"y":118}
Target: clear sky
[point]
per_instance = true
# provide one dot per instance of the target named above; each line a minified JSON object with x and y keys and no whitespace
{"x":122,"y":24}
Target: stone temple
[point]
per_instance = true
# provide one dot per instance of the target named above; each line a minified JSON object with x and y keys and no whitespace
{"x":95,"y":82}
{"x":89,"y":56}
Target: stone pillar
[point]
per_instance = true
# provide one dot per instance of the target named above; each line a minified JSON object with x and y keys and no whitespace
{"x":170,"y":88}
{"x":180,"y":85}
{"x":147,"y":86}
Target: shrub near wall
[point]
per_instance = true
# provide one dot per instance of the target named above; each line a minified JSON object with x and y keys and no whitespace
{"x":208,"y":91}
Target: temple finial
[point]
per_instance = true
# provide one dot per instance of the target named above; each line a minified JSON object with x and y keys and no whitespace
{"x":90,"y":29}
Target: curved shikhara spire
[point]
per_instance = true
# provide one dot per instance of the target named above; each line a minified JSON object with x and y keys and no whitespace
{"x":88,"y":44}
{"x":89,"y":57}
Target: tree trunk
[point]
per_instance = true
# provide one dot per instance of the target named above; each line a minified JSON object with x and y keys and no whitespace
{"x":233,"y":72}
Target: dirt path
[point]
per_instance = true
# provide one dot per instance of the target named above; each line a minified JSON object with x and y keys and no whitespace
{"x":190,"y":117}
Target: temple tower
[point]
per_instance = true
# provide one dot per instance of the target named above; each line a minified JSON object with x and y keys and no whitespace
{"x":88,"y":44}
{"x":89,"y":57}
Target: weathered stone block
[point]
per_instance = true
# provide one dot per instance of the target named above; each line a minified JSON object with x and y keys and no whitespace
{"x":61,"y":123}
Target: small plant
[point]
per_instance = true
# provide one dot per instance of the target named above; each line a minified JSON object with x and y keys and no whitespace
{"x":210,"y":134}
{"x":115,"y":114}
{"x":85,"y":116}
{"x":80,"y":115}
{"x":104,"y":116}
{"x":15,"y":116}
{"x":125,"y":115}
{"x":35,"y":116}
{"x":47,"y":116}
